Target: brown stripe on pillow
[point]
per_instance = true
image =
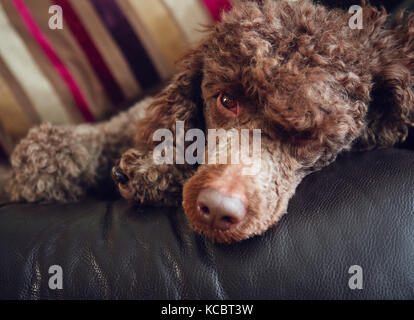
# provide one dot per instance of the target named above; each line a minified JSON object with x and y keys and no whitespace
{"x":12,"y":117}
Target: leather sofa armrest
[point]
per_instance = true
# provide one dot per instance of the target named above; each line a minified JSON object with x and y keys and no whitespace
{"x":357,"y":211}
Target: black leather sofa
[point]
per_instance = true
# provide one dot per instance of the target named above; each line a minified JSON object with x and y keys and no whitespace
{"x":357,"y":211}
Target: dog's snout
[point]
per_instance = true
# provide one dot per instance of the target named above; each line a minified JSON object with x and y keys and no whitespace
{"x":119,"y":176}
{"x":219,"y":211}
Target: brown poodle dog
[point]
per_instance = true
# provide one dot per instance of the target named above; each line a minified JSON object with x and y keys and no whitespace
{"x":295,"y":70}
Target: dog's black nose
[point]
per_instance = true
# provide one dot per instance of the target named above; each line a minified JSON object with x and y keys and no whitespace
{"x":119,"y":176}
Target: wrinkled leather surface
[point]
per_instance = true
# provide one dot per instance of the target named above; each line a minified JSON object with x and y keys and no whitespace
{"x":357,"y":211}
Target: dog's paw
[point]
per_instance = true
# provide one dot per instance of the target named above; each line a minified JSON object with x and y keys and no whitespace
{"x":138,"y":177}
{"x":52,"y":164}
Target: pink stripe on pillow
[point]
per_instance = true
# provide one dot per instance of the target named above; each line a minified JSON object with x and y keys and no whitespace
{"x":54,"y":59}
{"x":215,"y":7}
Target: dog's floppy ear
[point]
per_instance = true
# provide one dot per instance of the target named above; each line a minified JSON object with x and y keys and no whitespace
{"x":180,"y":101}
{"x":391,"y":111}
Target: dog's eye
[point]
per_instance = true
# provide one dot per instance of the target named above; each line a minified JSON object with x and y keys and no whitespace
{"x":228,"y":102}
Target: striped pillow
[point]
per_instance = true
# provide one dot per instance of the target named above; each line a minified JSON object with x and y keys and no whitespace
{"x":107,"y":55}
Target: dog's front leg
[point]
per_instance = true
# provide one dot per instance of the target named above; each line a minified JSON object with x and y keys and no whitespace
{"x":61,"y":163}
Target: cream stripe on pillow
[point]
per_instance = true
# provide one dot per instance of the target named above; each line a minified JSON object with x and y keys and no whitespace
{"x":23,"y":67}
{"x":189,"y":14}
{"x":163,"y":28}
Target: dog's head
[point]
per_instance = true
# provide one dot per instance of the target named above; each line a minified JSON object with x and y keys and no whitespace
{"x":301,"y":75}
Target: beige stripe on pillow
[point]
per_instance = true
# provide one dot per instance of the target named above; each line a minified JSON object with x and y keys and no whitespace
{"x":108,"y":48}
{"x":189,"y":14}
{"x":21,"y":64}
{"x":163,"y":28}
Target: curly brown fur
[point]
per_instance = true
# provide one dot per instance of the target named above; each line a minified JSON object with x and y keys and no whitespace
{"x":57,"y":163}
{"x":312,"y":85}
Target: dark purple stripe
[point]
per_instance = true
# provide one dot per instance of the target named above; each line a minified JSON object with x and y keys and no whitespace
{"x":2,"y":151}
{"x":95,"y":58}
{"x":130,"y":45}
